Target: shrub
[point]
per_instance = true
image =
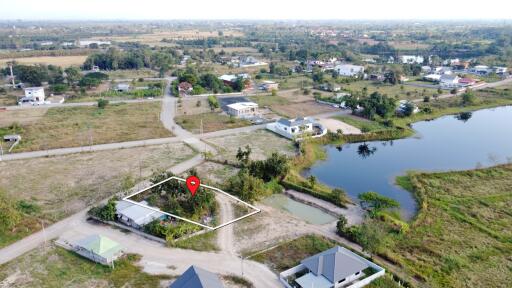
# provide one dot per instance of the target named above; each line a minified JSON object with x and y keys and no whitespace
{"x":102,"y":103}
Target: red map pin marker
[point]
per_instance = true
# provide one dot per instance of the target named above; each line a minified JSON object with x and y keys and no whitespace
{"x":193,"y":184}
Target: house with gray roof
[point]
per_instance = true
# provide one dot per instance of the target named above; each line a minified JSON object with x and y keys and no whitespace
{"x":196,"y":277}
{"x":296,"y":128}
{"x":333,"y":268}
{"x":135,"y":215}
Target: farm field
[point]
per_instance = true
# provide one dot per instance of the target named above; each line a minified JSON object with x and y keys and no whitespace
{"x":462,"y":235}
{"x":63,"y":185}
{"x":63,"y":61}
{"x":83,"y":126}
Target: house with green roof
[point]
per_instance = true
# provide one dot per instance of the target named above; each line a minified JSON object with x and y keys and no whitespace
{"x":99,"y":249}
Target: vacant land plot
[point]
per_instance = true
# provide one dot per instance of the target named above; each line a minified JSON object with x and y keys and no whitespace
{"x":462,"y":236}
{"x":263,"y":143}
{"x":63,"y":61}
{"x":363,"y":124}
{"x":55,"y":267}
{"x":63,"y":185}
{"x":211,"y":122}
{"x":83,"y":126}
{"x":193,"y":106}
{"x":214,"y":173}
{"x":308,"y":108}
{"x":131,"y":74}
{"x":294,"y":82}
{"x":406,"y":92}
{"x":335,"y":125}
{"x":21,"y":116}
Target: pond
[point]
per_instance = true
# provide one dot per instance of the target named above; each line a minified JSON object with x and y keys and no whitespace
{"x":466,"y":141}
{"x":307,"y":213}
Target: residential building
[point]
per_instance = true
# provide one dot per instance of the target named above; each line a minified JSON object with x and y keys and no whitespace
{"x":122,"y":87}
{"x":467,"y":82}
{"x":137,"y":216}
{"x":432,"y":77}
{"x":449,"y":81}
{"x":500,"y":70}
{"x":349,"y":70}
{"x":99,"y":249}
{"x":411,"y":59}
{"x":87,"y":43}
{"x":185,"y":88}
{"x":480,"y":70}
{"x":269,"y":85}
{"x":296,"y":128}
{"x":249,"y":61}
{"x":34,"y":95}
{"x":185,"y":59}
{"x":243,"y":109}
{"x":229,"y":79}
{"x":333,"y":268}
{"x":426,"y":69}
{"x":196,"y":277}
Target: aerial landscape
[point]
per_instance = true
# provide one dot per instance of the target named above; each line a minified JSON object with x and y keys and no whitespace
{"x":202,"y":144}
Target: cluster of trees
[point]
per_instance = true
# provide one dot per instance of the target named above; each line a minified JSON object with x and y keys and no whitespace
{"x":36,"y":74}
{"x":202,"y":83}
{"x":375,"y":104}
{"x":142,"y":57}
{"x":252,"y":181}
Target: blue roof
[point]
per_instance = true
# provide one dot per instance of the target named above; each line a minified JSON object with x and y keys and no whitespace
{"x":196,"y":277}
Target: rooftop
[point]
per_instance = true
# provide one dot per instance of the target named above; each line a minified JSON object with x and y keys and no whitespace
{"x":242,"y":105}
{"x":335,"y":264}
{"x":196,"y":277}
{"x":294,"y":122}
{"x":100,"y":245}
{"x":138,"y":214}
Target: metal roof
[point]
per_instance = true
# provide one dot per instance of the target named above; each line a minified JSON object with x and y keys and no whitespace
{"x":196,"y":277}
{"x":335,"y":264}
{"x":138,"y":214}
{"x":100,"y":245}
{"x":294,"y":122}
{"x":242,"y":105}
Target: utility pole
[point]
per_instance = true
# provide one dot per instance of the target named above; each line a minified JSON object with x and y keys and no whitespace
{"x":12,"y":76}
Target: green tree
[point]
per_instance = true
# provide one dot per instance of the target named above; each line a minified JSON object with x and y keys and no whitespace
{"x":243,"y":156}
{"x":468,"y":97}
{"x":312,"y":181}
{"x":375,"y":202}
{"x":246,"y":186}
{"x":341,"y":225}
{"x":72,"y":75}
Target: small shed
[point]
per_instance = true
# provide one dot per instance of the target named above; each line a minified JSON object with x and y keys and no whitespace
{"x":12,"y":138}
{"x":99,"y":249}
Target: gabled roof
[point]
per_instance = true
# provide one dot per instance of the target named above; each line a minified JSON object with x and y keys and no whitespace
{"x":196,"y":277}
{"x":100,"y":245}
{"x":138,"y":214}
{"x":294,"y":122}
{"x":334,"y":264}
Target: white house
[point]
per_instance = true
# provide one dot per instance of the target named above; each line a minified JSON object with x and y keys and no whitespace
{"x":349,"y":70}
{"x":411,"y":59}
{"x":34,"y":95}
{"x":268,"y":85}
{"x":480,"y":70}
{"x":295,"y":128}
{"x":122,"y":87}
{"x":432,"y":77}
{"x":136,"y":216}
{"x":249,"y":61}
{"x":333,"y":268}
{"x":500,"y":70}
{"x":449,"y":81}
{"x":243,"y":109}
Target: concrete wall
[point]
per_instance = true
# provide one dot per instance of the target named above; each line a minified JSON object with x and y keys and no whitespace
{"x":285,"y":274}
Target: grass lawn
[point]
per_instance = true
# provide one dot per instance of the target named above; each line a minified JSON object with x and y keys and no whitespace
{"x":63,"y":185}
{"x":408,"y":92}
{"x":363,"y":124}
{"x":56,"y":267}
{"x":83,"y":126}
{"x":462,"y":236}
{"x":211,"y":122}
{"x":203,"y":242}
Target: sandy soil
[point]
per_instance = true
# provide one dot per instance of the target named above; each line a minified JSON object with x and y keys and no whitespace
{"x":303,"y":109}
{"x":333,"y":125}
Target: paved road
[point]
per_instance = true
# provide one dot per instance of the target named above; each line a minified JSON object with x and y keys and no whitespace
{"x":78,"y":104}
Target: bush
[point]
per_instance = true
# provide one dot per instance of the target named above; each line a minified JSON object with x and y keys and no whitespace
{"x":102,"y":103}
{"x":213,"y":102}
{"x":59,"y":88}
{"x":323,"y":196}
{"x":106,"y":212}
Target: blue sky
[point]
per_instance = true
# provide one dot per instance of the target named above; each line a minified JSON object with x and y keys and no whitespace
{"x":259,"y":9}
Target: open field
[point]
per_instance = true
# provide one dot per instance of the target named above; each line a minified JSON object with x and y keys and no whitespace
{"x":361,"y":123}
{"x":53,"y":266}
{"x":294,"y":82}
{"x":262,"y":142}
{"x":212,"y":121}
{"x":63,"y":61}
{"x":131,"y":74}
{"x":83,"y":126}
{"x":63,"y":185}
{"x":190,"y":106}
{"x":462,"y":236}
{"x":409,"y":45}
{"x":307,"y":108}
{"x":406,"y":92}
{"x":214,"y":173}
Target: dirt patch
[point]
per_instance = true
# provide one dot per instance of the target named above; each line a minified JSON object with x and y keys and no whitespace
{"x":263,"y":143}
{"x":333,"y":125}
{"x":193,"y":106}
{"x":214,"y":173}
{"x":303,"y":109}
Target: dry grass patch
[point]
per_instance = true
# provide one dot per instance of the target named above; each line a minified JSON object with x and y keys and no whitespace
{"x":308,"y":108}
{"x":84,"y":126}
{"x":63,"y":61}
{"x":212,"y":121}
{"x":63,"y":185}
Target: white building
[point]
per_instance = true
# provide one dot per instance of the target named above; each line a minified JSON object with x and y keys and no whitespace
{"x":500,"y":70}
{"x":243,"y":109}
{"x":249,"y":61}
{"x":334,"y":268}
{"x":86,"y":43}
{"x":295,"y":128}
{"x":34,"y":95}
{"x":411,"y":59}
{"x":449,"y":81}
{"x":349,"y":70}
{"x":432,"y":77}
{"x":480,"y":70}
